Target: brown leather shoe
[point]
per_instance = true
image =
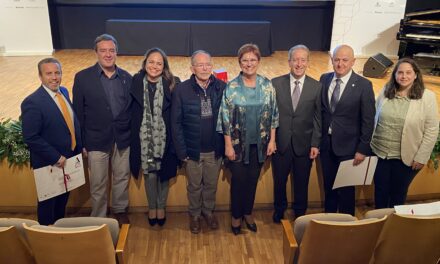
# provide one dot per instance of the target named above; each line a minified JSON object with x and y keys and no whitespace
{"x":211,"y":221}
{"x":194,"y":224}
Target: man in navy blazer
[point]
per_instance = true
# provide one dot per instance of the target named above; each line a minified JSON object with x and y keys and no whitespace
{"x":348,"y":110}
{"x":101,"y":100}
{"x":47,"y":134}
{"x":299,"y":134}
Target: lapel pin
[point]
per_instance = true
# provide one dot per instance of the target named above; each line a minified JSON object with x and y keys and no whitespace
{"x":353,"y":85}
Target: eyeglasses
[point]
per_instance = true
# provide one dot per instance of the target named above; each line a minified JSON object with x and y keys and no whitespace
{"x":203,"y":65}
{"x":251,"y":61}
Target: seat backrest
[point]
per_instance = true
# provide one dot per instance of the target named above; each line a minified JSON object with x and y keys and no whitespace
{"x":53,"y":245}
{"x":91,"y":221}
{"x":379,"y":213}
{"x":408,"y":239}
{"x":13,"y":249}
{"x":17,"y":223}
{"x":339,"y":242}
{"x":302,"y":221}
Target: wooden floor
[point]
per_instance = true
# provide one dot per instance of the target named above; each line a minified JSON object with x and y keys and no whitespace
{"x":19,"y":75}
{"x":174,"y":243}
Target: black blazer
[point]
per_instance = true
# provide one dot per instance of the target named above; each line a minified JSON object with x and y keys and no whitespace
{"x":169,"y":160}
{"x":99,"y":129}
{"x":353,"y":119}
{"x":45,"y":131}
{"x":301,"y":128}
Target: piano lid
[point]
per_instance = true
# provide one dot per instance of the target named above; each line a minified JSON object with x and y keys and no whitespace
{"x":427,"y":18}
{"x":423,"y":13}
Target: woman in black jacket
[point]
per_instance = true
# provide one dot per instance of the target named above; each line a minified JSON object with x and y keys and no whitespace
{"x":151,"y":148}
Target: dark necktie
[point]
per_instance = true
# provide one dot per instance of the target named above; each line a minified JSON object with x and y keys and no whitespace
{"x":335,"y":96}
{"x":295,"y":95}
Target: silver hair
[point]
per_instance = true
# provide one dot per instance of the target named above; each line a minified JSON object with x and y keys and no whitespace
{"x":297,"y":47}
{"x":195,"y":53}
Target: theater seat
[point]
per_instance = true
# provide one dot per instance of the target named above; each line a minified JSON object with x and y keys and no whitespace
{"x":337,"y":242}
{"x":14,"y":245}
{"x":408,"y":239}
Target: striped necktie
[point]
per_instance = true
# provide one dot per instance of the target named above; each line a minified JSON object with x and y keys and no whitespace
{"x":335,"y":95}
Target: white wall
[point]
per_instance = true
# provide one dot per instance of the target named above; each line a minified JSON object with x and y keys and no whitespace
{"x":369,"y":26}
{"x":25,"y":28}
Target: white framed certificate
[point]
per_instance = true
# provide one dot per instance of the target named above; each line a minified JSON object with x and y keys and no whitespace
{"x":52,"y":181}
{"x":349,"y":175}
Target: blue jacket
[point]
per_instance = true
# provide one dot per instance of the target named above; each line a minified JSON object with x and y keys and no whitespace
{"x":45,"y":131}
{"x":185,"y":118}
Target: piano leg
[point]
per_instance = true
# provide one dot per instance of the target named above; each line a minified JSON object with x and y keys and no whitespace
{"x":402,"y":49}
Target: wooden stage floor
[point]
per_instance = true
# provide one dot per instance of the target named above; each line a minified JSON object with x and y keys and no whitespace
{"x":19,"y":75}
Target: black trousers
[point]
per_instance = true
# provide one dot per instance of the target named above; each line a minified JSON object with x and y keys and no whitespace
{"x":299,"y":167}
{"x":391,"y":182}
{"x":50,"y":210}
{"x":340,"y":200}
{"x":244,"y":184}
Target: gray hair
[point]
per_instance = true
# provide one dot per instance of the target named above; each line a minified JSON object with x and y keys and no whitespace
{"x":298,"y":47}
{"x":105,"y":37}
{"x":343,"y":46}
{"x":46,"y":61}
{"x":195,"y":53}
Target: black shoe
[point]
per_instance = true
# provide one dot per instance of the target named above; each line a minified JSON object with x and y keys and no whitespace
{"x":252,"y":227}
{"x":236,"y":229}
{"x":152,"y":221}
{"x":122,"y":218}
{"x":161,"y":221}
{"x":276,"y":217}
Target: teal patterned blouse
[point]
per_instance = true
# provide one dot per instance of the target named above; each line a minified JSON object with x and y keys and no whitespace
{"x":233,"y":110}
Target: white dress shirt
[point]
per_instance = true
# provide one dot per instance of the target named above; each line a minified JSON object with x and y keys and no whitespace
{"x":292,"y":83}
{"x":53,"y":94}
{"x":344,"y":81}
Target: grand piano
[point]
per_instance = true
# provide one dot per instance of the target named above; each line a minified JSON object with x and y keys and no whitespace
{"x":419,"y":36}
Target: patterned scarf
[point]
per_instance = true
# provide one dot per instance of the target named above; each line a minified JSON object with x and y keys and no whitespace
{"x":153,"y":132}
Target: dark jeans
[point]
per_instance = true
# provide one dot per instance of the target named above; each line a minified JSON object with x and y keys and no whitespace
{"x":341,"y":199}
{"x":299,"y":166}
{"x":391,"y":181}
{"x":244,"y":184}
{"x":50,"y":210}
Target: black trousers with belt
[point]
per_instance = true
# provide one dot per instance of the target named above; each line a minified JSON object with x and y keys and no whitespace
{"x":342,"y":199}
{"x":244,"y":184}
{"x":299,"y":167}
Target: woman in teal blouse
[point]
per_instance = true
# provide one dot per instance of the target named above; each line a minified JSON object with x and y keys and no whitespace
{"x":248,"y":119}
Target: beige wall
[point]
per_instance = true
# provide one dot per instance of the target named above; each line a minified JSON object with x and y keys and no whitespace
{"x":17,"y":190}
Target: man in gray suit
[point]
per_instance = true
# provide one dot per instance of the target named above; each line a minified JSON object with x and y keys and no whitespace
{"x":299,"y":133}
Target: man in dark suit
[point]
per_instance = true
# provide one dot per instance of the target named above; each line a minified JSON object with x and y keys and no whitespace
{"x":299,"y":133}
{"x":101,"y":100}
{"x":348,"y":109}
{"x":51,"y":131}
